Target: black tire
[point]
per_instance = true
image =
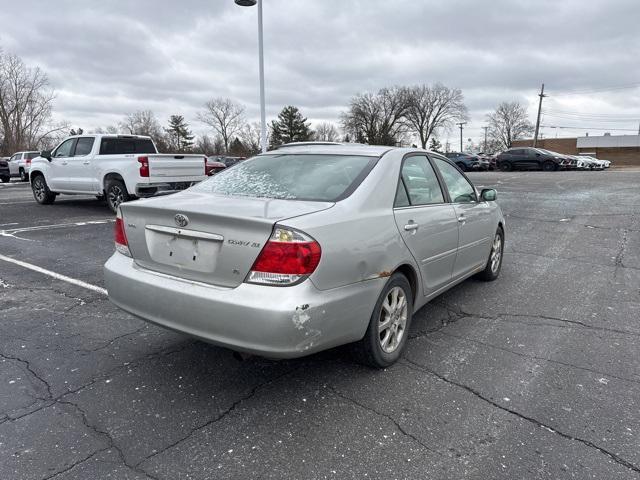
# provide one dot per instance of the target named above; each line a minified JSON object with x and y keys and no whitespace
{"x":492,"y":270}
{"x":369,"y":350}
{"x":116,"y":193}
{"x":505,"y":166}
{"x":24,"y":176}
{"x":5,"y":179}
{"x":549,"y":166}
{"x":462,"y":166}
{"x":41,"y":191}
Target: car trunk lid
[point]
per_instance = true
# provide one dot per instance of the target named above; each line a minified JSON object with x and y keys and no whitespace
{"x":205,"y":237}
{"x":163,"y":166}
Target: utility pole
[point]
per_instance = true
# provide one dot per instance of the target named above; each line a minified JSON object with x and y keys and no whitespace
{"x":460,"y":125}
{"x":535,"y":136}
{"x":485,"y":139}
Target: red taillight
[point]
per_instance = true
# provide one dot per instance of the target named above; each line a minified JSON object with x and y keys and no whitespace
{"x":286,"y":258}
{"x":120,"y":237}
{"x":28,"y":161}
{"x":206,"y":170}
{"x":144,"y":166}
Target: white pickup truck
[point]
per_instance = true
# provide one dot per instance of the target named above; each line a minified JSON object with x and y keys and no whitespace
{"x":115,"y":167}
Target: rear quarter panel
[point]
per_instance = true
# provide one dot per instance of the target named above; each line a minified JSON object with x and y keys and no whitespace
{"x":358,"y":235}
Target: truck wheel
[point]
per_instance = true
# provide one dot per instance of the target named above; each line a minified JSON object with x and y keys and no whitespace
{"x":549,"y":166}
{"x":388,"y":329}
{"x":23,"y":175}
{"x":116,"y":193}
{"x":41,"y":191}
{"x":505,"y":166}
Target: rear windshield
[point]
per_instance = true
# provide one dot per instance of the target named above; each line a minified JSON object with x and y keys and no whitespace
{"x":121,"y":146}
{"x":323,"y":178}
{"x":31,"y":155}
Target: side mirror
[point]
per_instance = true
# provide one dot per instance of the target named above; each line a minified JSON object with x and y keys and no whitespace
{"x":537,"y":154}
{"x":46,"y":154}
{"x":488,"y":195}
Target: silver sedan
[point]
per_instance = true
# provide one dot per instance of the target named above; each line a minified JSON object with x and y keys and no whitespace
{"x":305,"y":248}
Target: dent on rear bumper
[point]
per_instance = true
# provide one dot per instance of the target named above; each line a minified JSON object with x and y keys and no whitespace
{"x":277,"y":322}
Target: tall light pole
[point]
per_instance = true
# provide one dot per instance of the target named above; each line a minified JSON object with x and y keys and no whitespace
{"x":460,"y":124}
{"x":263,"y":116}
{"x":535,"y":135}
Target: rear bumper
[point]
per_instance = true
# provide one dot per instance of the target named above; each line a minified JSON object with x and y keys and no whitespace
{"x":276,"y":322}
{"x":159,"y":187}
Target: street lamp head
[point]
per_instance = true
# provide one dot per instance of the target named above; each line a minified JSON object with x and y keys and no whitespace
{"x":246,"y":3}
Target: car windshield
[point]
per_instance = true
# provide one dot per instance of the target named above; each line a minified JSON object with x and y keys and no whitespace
{"x":323,"y":178}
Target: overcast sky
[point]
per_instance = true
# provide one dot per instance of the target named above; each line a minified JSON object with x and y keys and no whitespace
{"x":111,"y":57}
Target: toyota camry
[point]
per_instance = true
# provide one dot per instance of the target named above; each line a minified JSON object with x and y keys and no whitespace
{"x":305,"y":248}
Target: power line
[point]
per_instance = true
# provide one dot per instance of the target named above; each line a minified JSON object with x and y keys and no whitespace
{"x":590,"y":128}
{"x":596,"y":90}
{"x":632,"y":116}
{"x":595,"y":119}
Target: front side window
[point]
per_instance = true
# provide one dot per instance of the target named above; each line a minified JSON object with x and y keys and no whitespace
{"x":15,"y":157}
{"x":459,"y":187}
{"x":64,"y":150}
{"x":420,"y":181}
{"x":84,"y":146}
{"x":323,"y":178}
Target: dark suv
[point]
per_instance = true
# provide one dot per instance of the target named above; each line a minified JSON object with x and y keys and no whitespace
{"x":528,"y":158}
{"x":5,"y":173}
{"x":464,"y":161}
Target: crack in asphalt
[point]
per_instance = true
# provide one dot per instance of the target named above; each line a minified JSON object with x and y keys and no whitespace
{"x":112,"y":372}
{"x":543,"y":359}
{"x":616,"y":458}
{"x":399,"y":427}
{"x":111,"y":342}
{"x":32,"y":372}
{"x":100,"y":433}
{"x":220,"y":416}
{"x":503,"y":315}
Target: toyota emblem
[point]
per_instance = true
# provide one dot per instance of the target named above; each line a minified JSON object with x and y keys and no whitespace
{"x":181,"y":220}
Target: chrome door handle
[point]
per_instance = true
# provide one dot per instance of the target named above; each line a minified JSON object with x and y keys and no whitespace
{"x":63,"y":163}
{"x":462,"y":218}
{"x":86,"y":163}
{"x":411,"y":226}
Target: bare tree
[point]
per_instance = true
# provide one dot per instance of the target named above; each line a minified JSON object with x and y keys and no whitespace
{"x":144,"y":122}
{"x":25,"y":106}
{"x":250,"y":135}
{"x":326,"y":132}
{"x":432,"y":108}
{"x":508,"y":123}
{"x":225,"y":116}
{"x":377,"y":119}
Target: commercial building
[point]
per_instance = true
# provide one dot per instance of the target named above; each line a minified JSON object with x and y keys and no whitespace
{"x":622,"y":150}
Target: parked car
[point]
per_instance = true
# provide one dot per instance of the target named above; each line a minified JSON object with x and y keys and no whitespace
{"x":231,"y":161}
{"x":599,"y":163}
{"x":305,"y":248}
{"x":487,"y":159}
{"x":20,"y":164}
{"x":115,"y":167}
{"x":214,"y":166}
{"x":464,"y":161}
{"x":5,"y":172}
{"x":528,"y":158}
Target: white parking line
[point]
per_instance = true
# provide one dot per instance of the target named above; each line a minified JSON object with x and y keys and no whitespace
{"x":13,"y":231}
{"x":55,"y":275}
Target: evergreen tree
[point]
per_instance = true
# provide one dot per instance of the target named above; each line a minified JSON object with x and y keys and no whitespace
{"x":179,"y":134}
{"x":435,"y":145}
{"x":290,"y":126}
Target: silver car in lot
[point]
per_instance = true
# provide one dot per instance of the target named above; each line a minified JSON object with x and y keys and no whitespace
{"x":305,"y":248}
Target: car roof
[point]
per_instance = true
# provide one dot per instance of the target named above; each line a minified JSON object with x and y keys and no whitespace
{"x":333,"y":148}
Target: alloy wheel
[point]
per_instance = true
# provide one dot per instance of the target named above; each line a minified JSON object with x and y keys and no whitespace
{"x":393,"y":320}
{"x":115,"y":196}
{"x":496,"y":253}
{"x":39,"y":189}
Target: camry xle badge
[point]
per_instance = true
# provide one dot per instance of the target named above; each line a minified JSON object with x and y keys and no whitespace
{"x":181,"y":220}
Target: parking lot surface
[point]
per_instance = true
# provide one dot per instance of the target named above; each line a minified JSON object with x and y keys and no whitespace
{"x":536,"y":375}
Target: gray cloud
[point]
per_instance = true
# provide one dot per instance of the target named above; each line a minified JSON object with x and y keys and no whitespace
{"x":106,"y":59}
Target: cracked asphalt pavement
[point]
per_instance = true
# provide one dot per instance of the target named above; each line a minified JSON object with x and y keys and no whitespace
{"x":536,"y":375}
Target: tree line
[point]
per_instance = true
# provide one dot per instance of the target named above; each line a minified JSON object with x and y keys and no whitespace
{"x":397,"y":115}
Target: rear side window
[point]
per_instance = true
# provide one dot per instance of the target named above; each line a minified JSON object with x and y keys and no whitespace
{"x":322,"y":178}
{"x":84,"y":146}
{"x":123,"y":146}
